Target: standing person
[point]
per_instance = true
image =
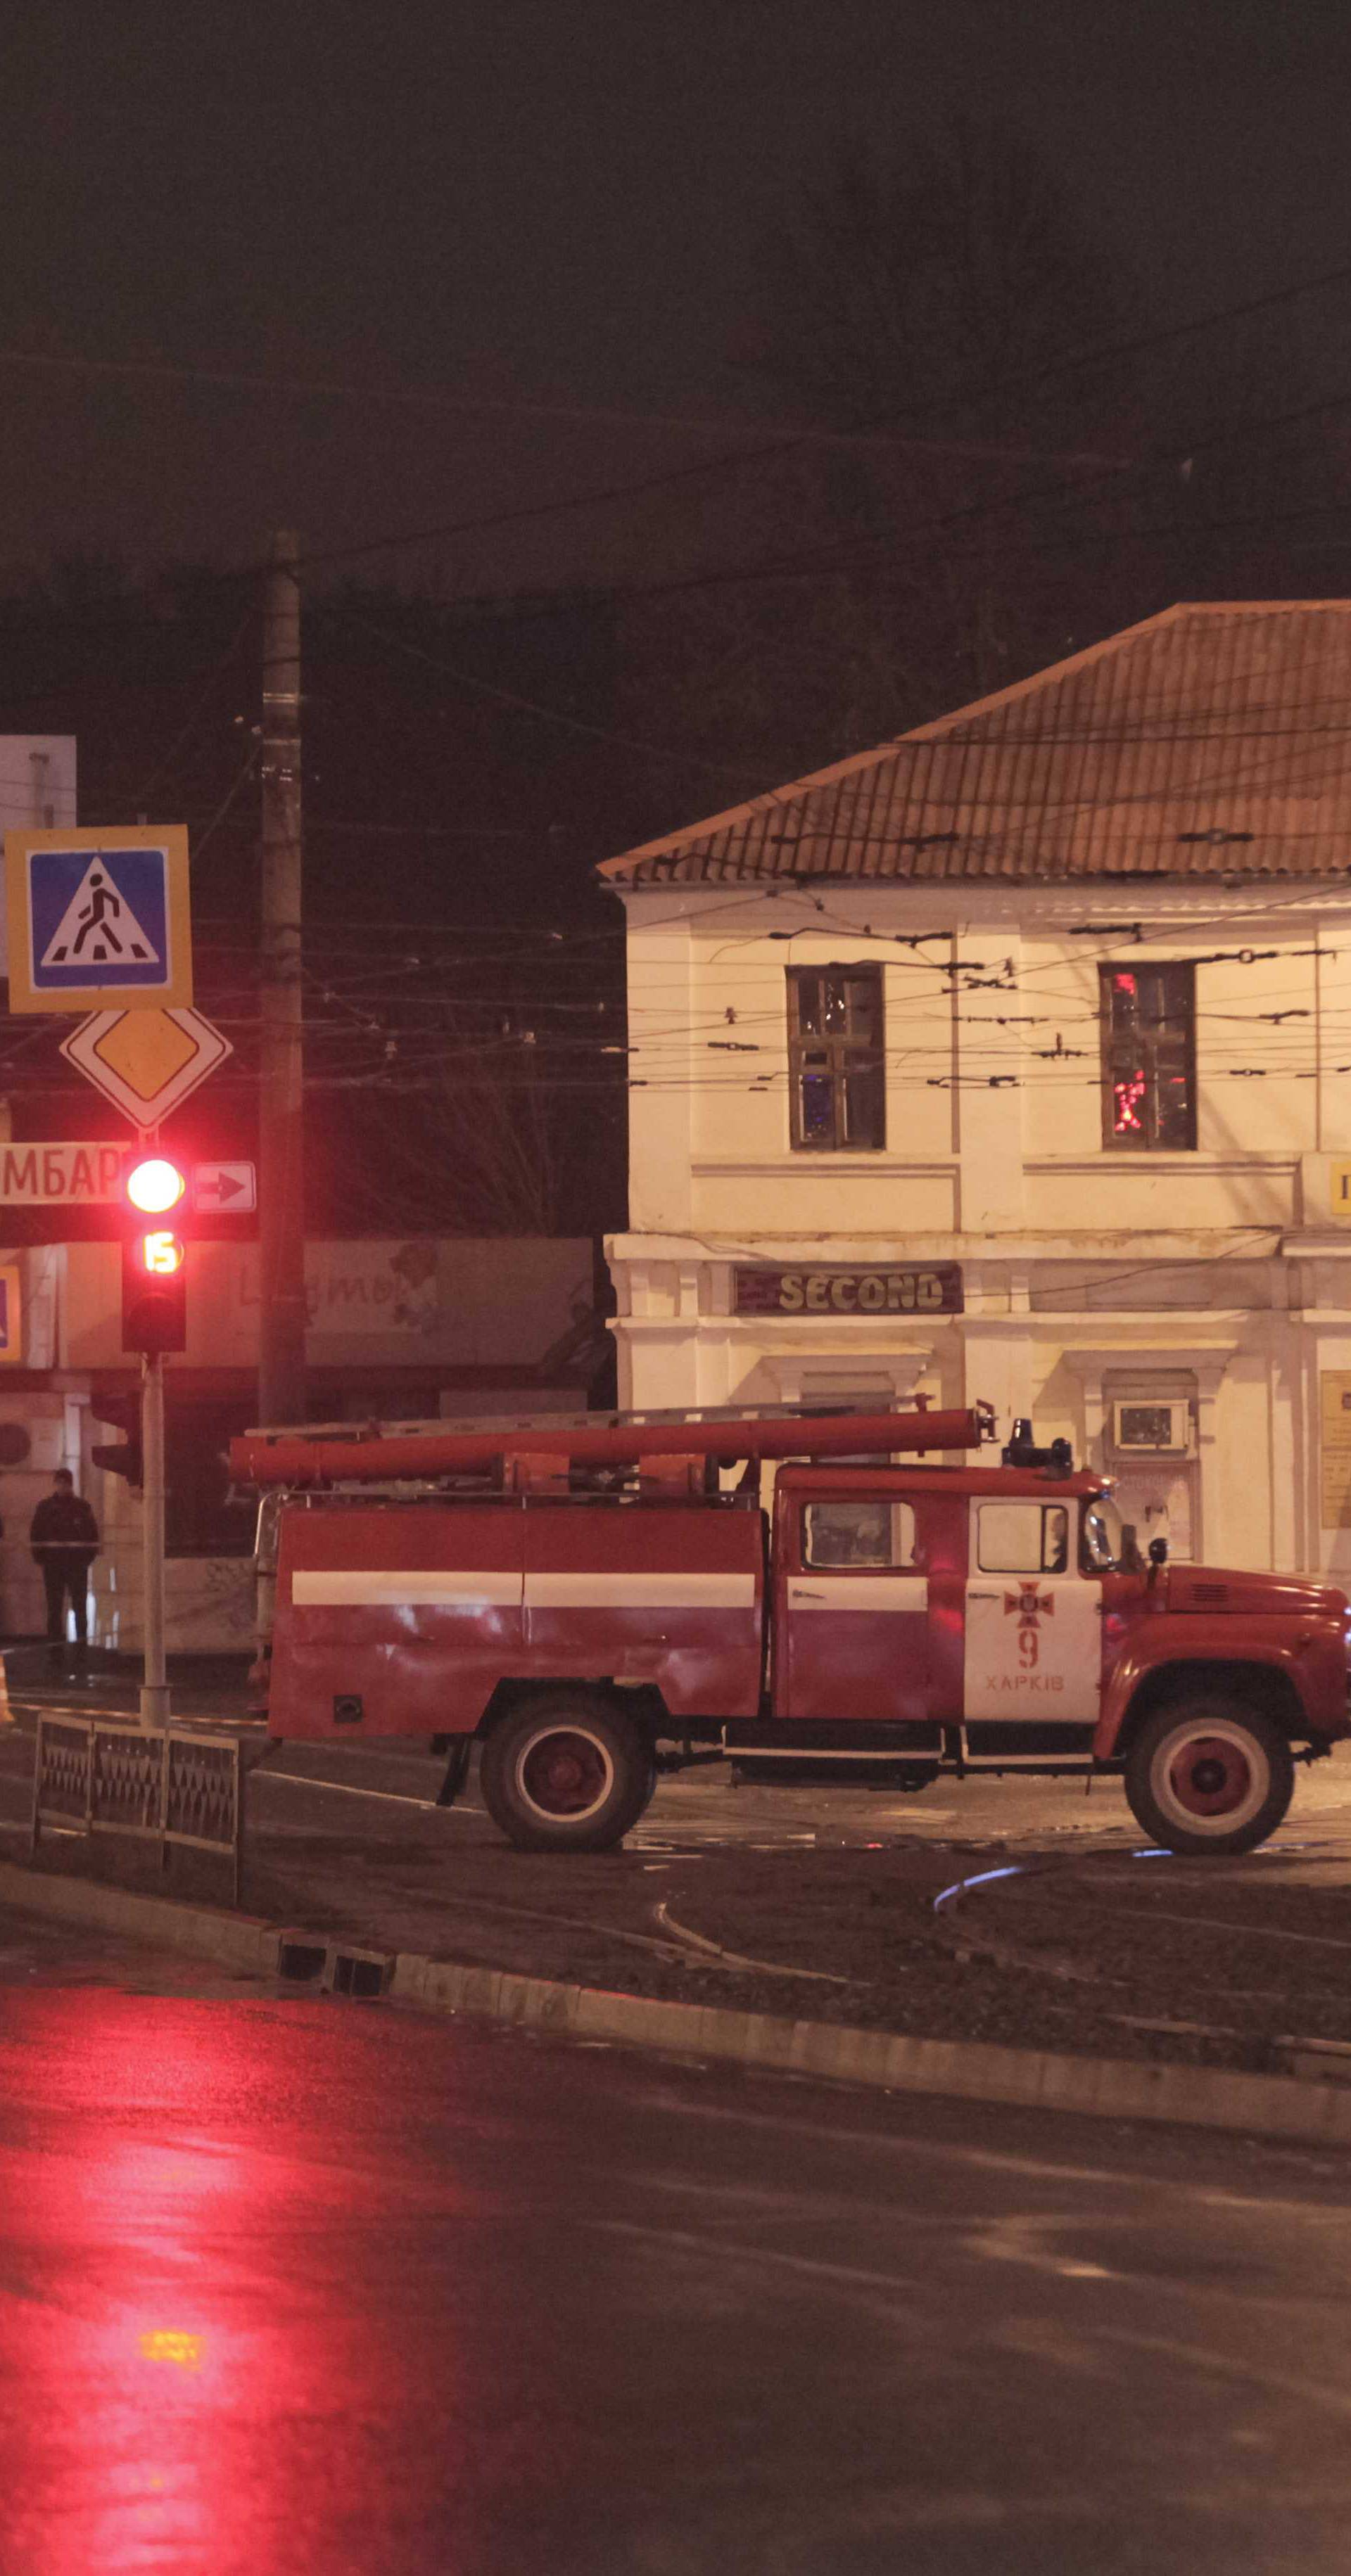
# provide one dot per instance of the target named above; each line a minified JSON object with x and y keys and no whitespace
{"x":65,"y":1541}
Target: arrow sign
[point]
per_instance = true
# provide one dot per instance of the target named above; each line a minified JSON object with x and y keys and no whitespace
{"x":233,"y":1186}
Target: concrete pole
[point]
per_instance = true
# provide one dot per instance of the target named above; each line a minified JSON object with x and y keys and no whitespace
{"x":281,"y":1192}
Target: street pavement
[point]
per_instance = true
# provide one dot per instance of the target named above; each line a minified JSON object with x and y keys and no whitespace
{"x":825,"y":1905}
{"x":318,"y":2286}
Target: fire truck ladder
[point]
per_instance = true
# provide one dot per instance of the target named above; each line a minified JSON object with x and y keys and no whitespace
{"x":553,"y":1446}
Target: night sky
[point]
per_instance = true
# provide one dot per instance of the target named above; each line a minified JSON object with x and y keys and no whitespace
{"x":535,"y":242}
{"x":547,"y":201}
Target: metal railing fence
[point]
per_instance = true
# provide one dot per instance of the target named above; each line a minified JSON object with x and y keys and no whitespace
{"x":182,"y":1789}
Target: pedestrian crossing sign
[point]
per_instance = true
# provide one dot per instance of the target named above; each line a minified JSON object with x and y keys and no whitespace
{"x":98,"y":919}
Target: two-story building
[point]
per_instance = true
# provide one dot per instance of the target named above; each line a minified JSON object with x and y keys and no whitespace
{"x":1013,"y":1059}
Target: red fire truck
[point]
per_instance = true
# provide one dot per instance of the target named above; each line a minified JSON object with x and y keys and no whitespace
{"x":599,"y":1599}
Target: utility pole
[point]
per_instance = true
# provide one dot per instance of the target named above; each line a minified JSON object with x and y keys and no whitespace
{"x":281,"y":1170}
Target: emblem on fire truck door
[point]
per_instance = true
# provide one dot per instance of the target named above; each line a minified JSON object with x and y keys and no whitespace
{"x":1029,"y":1606}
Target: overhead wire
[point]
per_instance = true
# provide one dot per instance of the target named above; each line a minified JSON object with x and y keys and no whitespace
{"x":170,"y":759}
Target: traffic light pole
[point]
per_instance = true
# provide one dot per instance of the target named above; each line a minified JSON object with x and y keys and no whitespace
{"x":154,"y":1320}
{"x":154,"y":1687}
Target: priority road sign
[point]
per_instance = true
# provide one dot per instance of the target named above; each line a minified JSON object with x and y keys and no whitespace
{"x":146,"y":1062}
{"x":232,"y":1187}
{"x":98,"y":917}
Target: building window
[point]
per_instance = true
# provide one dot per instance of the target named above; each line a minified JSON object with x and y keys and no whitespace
{"x":204,"y":1514}
{"x":836,"y":1068}
{"x":1148,"y":1058}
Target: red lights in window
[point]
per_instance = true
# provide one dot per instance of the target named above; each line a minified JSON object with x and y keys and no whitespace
{"x":1124,"y":983}
{"x":1127,"y":1098}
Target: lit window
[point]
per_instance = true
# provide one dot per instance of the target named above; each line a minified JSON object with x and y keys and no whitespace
{"x":1149,"y":1058}
{"x":835,"y":1059}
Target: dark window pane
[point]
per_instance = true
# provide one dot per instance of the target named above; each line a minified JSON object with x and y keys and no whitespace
{"x":863,"y":1107}
{"x":818,"y":1109}
{"x":1174,"y":1110}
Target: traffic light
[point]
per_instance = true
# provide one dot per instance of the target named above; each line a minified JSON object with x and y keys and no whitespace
{"x":154,"y":1185}
{"x":154,"y":1293}
{"x":154,"y":1271}
{"x":121,"y":1458}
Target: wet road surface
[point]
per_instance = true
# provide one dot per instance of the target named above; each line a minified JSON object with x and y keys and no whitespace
{"x":302,"y":2285}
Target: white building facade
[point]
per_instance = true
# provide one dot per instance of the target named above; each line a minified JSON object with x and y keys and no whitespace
{"x":1013,"y":1060}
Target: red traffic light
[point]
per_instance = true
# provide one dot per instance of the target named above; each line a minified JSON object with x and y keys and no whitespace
{"x":154,"y":1185}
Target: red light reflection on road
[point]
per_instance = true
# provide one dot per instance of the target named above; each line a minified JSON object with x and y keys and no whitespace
{"x":245,"y":2319}
{"x":184,"y":2350}
{"x":160,"y":2369}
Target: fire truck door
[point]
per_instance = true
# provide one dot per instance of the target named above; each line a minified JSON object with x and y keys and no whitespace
{"x":853,"y":1638}
{"x":1033,"y":1631}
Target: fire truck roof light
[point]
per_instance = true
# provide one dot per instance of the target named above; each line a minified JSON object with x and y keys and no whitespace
{"x":155,"y":1185}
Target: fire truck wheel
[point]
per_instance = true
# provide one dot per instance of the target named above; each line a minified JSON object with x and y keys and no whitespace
{"x":1209,"y":1775}
{"x":566,"y":1773}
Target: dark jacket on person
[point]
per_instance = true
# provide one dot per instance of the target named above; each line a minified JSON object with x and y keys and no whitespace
{"x":64,"y":1532}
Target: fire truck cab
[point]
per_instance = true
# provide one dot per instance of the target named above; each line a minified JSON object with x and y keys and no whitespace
{"x":604,"y":1606}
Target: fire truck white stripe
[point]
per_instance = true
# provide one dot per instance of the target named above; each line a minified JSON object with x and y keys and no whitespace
{"x":376,"y":1587}
{"x":361,"y":1587}
{"x":604,"y":1591}
{"x":845,"y":1592}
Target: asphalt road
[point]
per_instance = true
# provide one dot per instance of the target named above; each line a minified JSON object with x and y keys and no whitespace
{"x":322,"y":2287}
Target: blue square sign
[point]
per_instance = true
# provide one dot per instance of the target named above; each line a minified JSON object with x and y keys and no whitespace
{"x":98,"y":919}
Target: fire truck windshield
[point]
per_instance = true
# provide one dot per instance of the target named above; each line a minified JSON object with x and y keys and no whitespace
{"x":1104,"y":1536}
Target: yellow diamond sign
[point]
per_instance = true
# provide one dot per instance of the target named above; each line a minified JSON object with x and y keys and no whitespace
{"x":146,"y":1062}
{"x":145,"y":1049}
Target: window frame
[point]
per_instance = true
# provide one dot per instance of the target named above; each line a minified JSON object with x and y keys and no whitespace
{"x":902,"y":1525}
{"x":1048,"y":1511}
{"x":845,"y":1055}
{"x":1149,"y":1054}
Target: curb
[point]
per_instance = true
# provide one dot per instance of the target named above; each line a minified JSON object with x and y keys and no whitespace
{"x":234,"y":1940}
{"x":1100,"y":2087}
{"x":1273,"y":2106}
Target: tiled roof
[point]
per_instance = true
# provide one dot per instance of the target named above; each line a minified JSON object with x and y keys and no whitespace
{"x":1210,"y":741}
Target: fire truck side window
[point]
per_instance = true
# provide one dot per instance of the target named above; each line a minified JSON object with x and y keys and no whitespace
{"x":1023,"y":1538}
{"x":858,"y":1534}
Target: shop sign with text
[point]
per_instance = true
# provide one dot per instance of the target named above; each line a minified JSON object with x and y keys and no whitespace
{"x":61,"y":1175}
{"x":931,"y":1291}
